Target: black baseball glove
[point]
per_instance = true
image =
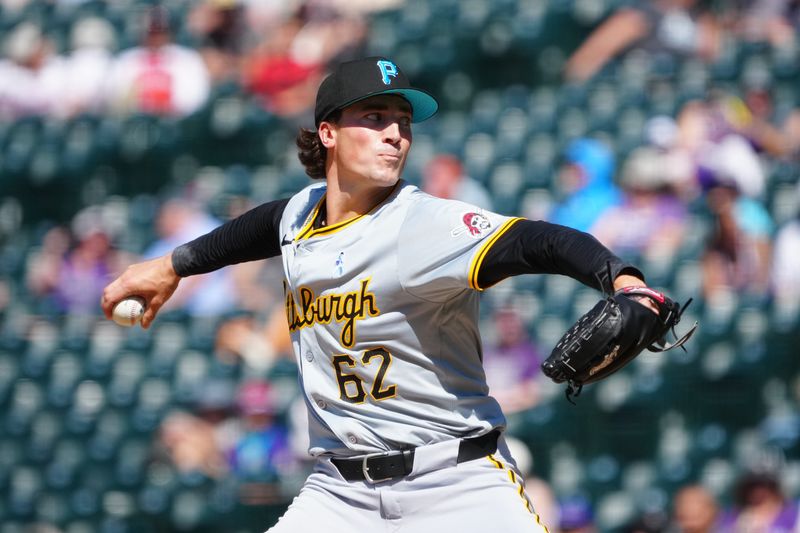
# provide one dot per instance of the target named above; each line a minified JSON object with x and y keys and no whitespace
{"x":611,"y":335}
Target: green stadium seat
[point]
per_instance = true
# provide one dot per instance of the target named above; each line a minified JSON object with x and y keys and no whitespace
{"x":506,"y":184}
{"x":130,"y":467}
{"x":9,"y":368}
{"x":602,"y":472}
{"x":479,"y":155}
{"x":727,"y":66}
{"x":603,"y":104}
{"x":128,"y":371}
{"x":109,"y":431}
{"x":543,"y":109}
{"x":756,"y":72}
{"x":191,"y":372}
{"x":630,"y":128}
{"x":169,"y":339}
{"x":106,"y":339}
{"x":615,"y":509}
{"x":79,"y":156}
{"x":154,"y":399}
{"x":75,"y":331}
{"x":486,"y":108}
{"x":453,"y":126}
{"x":512,"y":128}
{"x":413,"y":20}
{"x":45,"y":431}
{"x":66,"y":370}
{"x":88,"y":401}
{"x":572,"y":124}
{"x":27,"y":398}
{"x":85,"y":503}
{"x":783,"y":63}
{"x":24,"y":485}
{"x":540,"y":160}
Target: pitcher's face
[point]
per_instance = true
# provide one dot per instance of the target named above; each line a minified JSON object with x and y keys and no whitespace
{"x":371,"y":140}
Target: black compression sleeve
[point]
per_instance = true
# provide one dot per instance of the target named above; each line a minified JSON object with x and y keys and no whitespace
{"x":252,"y":236}
{"x":538,"y":247}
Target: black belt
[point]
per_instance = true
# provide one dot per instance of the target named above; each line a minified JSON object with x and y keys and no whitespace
{"x":392,"y":465}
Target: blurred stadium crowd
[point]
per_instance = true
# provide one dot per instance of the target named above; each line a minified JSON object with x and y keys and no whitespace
{"x":669,"y":129}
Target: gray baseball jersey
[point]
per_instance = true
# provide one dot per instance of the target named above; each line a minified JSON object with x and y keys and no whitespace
{"x":383,"y":313}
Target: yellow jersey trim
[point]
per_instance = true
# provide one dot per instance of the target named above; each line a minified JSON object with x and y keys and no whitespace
{"x":309,"y":225}
{"x":475,"y":266}
{"x":308,"y":230}
{"x":520,"y":489}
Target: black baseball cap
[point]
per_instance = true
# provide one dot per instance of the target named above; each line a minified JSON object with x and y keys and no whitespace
{"x":352,"y":81}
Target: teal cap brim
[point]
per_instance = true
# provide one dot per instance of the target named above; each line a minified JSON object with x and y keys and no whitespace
{"x":423,"y":105}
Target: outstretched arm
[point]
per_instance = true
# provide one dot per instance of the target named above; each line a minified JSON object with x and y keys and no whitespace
{"x":537,"y":247}
{"x":250,"y":237}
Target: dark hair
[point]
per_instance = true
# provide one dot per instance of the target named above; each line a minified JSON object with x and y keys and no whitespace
{"x":750,"y":481}
{"x":311,"y":152}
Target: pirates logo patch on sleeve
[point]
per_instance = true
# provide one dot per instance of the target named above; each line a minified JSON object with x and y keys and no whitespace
{"x":476,"y":225}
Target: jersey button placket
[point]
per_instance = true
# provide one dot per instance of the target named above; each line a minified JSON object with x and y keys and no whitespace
{"x":310,"y":356}
{"x":321,"y":403}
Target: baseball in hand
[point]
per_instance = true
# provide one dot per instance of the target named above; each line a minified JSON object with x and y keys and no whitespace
{"x":128,"y":311}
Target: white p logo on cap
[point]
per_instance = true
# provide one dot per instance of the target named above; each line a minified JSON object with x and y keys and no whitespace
{"x":387,"y":69}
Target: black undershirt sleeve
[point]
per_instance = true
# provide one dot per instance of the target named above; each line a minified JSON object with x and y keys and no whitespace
{"x":249,"y":237}
{"x":537,"y":247}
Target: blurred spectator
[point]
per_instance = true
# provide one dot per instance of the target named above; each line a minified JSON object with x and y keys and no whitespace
{"x":444,"y":176}
{"x":586,"y":185}
{"x":259,"y":343}
{"x":511,"y":363}
{"x":663,"y":134}
{"x":190,"y":443}
{"x":179,"y":221}
{"x":286,"y":68}
{"x":649,"y":200}
{"x":362,"y":7}
{"x":43,"y":268}
{"x":737,"y":256}
{"x":786,"y":264}
{"x":261,"y":450}
{"x":158,"y":77}
{"x":330,"y":34}
{"x":29,"y":80}
{"x":68,"y":273}
{"x":84,"y":272}
{"x":220,"y":26}
{"x":84,"y":72}
{"x":757,"y":122}
{"x":577,"y":515}
{"x":774,"y":21}
{"x":709,"y":132}
{"x":286,"y":84}
{"x":695,"y":510}
{"x":675,"y":27}
{"x":760,"y":507}
{"x":730,"y":174}
{"x":647,"y":522}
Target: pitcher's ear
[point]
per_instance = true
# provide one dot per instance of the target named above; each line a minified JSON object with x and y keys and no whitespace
{"x":327,"y":134}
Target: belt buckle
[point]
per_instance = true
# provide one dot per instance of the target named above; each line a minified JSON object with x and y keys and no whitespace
{"x":365,"y":468}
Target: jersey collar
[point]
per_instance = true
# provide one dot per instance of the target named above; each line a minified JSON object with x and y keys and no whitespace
{"x":308,"y":230}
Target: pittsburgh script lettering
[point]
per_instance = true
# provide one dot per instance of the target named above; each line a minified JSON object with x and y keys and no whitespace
{"x":345,"y":307}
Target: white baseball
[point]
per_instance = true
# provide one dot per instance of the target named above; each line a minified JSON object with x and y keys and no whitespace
{"x":129,"y":311}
